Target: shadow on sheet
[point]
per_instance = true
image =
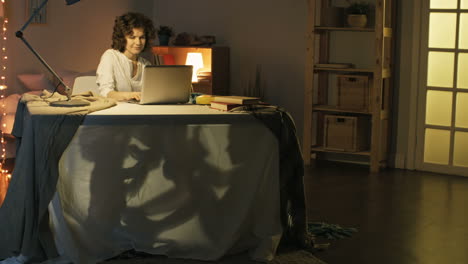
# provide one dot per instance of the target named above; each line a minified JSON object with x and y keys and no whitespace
{"x":196,"y":191}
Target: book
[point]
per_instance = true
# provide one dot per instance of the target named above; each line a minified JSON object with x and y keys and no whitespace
{"x":161,"y":60}
{"x":237,"y":99}
{"x":156,"y":59}
{"x":223,"y":105}
{"x":204,"y":74}
{"x":168,"y":59}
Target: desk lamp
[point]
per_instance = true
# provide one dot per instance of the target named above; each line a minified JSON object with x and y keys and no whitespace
{"x":196,"y":60}
{"x":69,"y":102}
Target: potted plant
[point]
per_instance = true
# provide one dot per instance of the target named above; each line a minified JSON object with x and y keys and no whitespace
{"x":357,"y":14}
{"x":164,"y":34}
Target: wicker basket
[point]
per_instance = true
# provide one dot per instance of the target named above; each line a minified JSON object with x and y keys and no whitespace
{"x":353,"y":92}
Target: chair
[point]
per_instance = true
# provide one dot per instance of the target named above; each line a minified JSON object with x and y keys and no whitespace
{"x":84,"y":84}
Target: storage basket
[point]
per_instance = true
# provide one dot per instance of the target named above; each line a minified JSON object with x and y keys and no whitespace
{"x":346,"y":133}
{"x":353,"y":92}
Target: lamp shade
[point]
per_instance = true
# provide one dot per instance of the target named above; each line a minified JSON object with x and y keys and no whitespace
{"x":196,"y":60}
{"x":71,"y":2}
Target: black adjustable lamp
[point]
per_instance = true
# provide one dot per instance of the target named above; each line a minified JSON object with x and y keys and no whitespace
{"x":69,"y":102}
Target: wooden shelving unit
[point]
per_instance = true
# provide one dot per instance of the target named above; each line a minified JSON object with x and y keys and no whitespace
{"x":319,"y":81}
{"x":321,"y":149}
{"x":319,"y":28}
{"x":331,"y":108}
{"x":343,"y":70}
{"x":215,"y":60}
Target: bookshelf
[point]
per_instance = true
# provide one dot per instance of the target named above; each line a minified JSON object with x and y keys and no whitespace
{"x":322,"y":90}
{"x":215,"y":61}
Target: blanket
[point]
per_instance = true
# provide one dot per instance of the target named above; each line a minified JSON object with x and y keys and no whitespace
{"x":43,"y":133}
{"x":292,"y":197}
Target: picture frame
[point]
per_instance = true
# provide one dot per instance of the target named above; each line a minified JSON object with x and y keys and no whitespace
{"x":41,"y":17}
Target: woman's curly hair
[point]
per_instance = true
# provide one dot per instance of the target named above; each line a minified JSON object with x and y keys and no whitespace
{"x":124,"y":25}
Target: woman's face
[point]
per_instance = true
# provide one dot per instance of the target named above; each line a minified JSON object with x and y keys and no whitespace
{"x":135,"y":42}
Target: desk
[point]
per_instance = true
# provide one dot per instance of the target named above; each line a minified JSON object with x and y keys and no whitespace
{"x":183,"y":181}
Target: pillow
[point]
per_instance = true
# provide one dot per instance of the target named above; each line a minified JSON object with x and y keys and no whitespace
{"x":35,"y":82}
{"x":8,"y":120}
{"x":11,"y":102}
{"x":68,"y":77}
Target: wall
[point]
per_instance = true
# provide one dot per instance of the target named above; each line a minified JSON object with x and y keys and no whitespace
{"x":267,"y":36}
{"x":406,"y":83}
{"x":73,"y":38}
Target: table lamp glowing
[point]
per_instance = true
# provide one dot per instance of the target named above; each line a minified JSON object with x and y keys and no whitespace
{"x":196,"y":60}
{"x":69,"y":102}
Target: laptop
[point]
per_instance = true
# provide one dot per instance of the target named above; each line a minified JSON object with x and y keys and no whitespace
{"x":166,"y":84}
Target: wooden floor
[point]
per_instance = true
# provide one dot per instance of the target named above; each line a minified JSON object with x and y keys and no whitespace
{"x":403,"y":216}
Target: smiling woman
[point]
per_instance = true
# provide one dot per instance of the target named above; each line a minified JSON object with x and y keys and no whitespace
{"x":120,"y":69}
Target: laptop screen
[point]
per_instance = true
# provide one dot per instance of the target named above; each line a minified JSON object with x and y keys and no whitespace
{"x":166,"y":84}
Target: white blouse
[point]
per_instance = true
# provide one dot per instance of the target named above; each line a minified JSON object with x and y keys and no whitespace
{"x":114,"y":73}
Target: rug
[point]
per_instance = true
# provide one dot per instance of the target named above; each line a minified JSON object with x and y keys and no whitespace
{"x":291,"y":257}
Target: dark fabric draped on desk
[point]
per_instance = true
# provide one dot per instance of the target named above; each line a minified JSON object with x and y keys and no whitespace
{"x":24,"y":225}
{"x":293,"y":209}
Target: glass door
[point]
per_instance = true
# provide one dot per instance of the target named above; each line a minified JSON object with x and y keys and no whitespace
{"x":442,"y":144}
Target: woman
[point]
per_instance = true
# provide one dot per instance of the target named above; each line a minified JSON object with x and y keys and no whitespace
{"x":120,"y":69}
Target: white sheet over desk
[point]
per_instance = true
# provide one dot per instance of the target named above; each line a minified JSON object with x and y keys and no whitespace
{"x":182,"y":183}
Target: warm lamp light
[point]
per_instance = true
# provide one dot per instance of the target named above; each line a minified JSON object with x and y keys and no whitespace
{"x":196,"y":60}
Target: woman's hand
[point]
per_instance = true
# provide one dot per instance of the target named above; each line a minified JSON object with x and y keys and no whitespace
{"x":124,"y":96}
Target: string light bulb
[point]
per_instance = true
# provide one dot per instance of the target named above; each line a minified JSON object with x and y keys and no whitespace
{"x":5,"y":175}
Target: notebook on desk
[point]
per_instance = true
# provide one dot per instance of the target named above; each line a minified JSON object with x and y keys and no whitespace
{"x":166,"y":84}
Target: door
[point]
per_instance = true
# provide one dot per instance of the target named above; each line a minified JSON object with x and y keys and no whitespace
{"x":442,"y":141}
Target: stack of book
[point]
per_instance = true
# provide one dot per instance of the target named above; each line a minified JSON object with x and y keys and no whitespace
{"x":204,"y":77}
{"x":164,"y":59}
{"x":227,"y":103}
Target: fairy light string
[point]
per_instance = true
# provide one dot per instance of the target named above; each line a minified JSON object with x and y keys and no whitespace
{"x":3,"y":86}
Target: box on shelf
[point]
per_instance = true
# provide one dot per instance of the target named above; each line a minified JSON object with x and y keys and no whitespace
{"x":353,"y":92}
{"x":346,"y":133}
